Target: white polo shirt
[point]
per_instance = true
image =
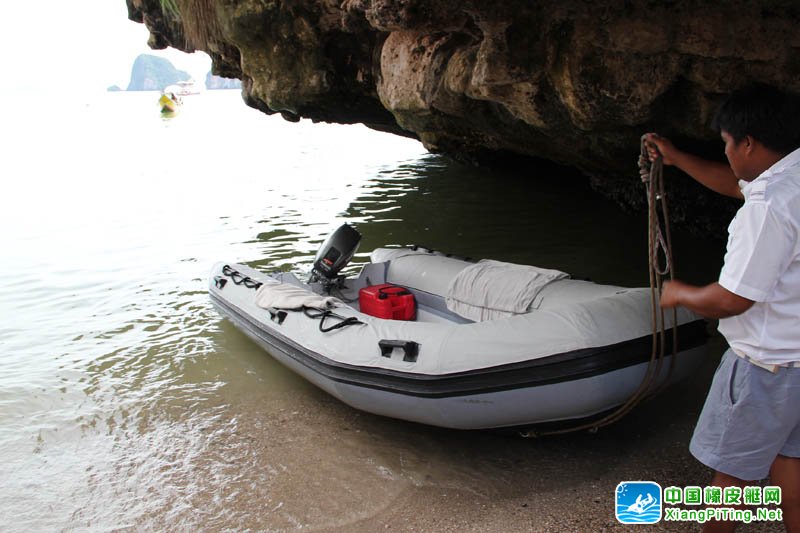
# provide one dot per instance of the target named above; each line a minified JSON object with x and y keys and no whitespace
{"x":762,"y":263}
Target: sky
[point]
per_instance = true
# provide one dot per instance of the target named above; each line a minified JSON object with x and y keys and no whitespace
{"x":86,"y":45}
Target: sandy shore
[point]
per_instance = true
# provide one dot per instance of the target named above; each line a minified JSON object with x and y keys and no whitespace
{"x":558,"y":484}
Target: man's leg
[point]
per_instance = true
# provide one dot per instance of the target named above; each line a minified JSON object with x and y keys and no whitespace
{"x":724,"y":526}
{"x":785,"y":473}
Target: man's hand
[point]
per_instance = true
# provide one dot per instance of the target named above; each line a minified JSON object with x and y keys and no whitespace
{"x":670,"y":294}
{"x":656,"y":145}
{"x":718,"y":177}
{"x":711,"y":301}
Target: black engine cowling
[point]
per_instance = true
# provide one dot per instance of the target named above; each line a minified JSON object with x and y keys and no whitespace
{"x":335,"y":253}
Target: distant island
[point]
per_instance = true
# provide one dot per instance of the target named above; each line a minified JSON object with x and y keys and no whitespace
{"x":218,"y":82}
{"x":152,"y":73}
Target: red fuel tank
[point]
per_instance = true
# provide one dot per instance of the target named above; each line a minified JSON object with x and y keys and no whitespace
{"x":387,"y":301}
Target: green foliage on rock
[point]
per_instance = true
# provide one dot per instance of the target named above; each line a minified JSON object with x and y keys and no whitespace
{"x":170,"y":7}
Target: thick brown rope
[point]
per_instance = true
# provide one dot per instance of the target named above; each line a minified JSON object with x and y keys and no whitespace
{"x":652,"y":174}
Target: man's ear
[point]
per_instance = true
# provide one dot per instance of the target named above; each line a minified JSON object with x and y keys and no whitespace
{"x":749,"y":144}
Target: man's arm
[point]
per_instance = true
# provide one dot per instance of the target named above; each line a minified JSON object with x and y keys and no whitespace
{"x":716,"y":176}
{"x":711,"y":301}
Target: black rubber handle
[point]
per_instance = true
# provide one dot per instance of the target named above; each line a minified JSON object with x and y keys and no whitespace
{"x":276,"y":315}
{"x":410,"y":349}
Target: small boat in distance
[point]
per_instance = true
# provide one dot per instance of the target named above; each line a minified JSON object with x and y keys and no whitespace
{"x":169,"y":102}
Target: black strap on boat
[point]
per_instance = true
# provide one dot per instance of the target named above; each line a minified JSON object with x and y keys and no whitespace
{"x":240,"y":279}
{"x":325,"y":314}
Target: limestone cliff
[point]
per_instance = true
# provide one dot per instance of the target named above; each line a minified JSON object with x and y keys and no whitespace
{"x":572,"y":81}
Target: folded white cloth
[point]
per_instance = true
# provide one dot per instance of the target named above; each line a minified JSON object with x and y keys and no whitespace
{"x":278,"y":295}
{"x":493,"y":289}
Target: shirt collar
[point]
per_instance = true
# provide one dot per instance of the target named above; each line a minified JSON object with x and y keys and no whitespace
{"x":777,"y":168}
{"x":782,"y":164}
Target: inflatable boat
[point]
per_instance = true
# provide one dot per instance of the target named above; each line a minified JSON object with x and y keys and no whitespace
{"x":467,"y":352}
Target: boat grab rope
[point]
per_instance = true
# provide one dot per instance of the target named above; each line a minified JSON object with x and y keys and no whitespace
{"x":240,"y":279}
{"x":659,"y":243}
{"x":310,"y":312}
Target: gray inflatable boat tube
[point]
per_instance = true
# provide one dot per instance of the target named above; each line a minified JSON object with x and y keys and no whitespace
{"x":583,"y":350}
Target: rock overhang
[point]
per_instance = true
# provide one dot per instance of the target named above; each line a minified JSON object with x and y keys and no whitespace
{"x":574,"y":82}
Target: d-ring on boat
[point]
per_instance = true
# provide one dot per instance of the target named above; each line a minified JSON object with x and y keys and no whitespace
{"x":481,"y":345}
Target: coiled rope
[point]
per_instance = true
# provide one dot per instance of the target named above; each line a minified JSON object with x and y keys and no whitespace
{"x":659,"y":243}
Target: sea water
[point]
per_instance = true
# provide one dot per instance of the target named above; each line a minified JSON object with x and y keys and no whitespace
{"x":127,"y":402}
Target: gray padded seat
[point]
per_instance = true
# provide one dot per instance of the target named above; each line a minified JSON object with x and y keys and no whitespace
{"x":423,"y":271}
{"x":432,"y":272}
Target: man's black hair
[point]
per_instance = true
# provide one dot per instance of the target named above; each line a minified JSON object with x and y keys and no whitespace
{"x":769,"y":115}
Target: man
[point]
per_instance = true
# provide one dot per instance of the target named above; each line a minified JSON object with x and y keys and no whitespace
{"x":750,"y":425}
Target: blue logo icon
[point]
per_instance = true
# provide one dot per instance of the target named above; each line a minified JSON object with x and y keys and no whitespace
{"x":638,"y":502}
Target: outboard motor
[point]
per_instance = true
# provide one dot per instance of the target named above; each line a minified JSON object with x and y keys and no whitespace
{"x":334,"y":254}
